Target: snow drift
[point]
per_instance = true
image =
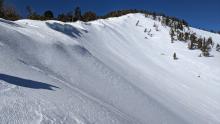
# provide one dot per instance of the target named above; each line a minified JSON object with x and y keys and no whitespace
{"x":104,"y":72}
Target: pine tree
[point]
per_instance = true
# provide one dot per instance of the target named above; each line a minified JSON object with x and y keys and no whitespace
{"x":29,"y":11}
{"x":167,"y":21}
{"x":10,"y":13}
{"x":217,"y":47}
{"x":186,"y":36}
{"x":199,"y":43}
{"x":206,"y":47}
{"x":48,"y":15}
{"x":32,"y":15}
{"x":62,"y":17}
{"x":209,"y":41}
{"x":1,"y":8}
{"x":174,"y":56}
{"x":185,"y":23}
{"x":172,"y":34}
{"x":89,"y":16}
{"x":193,"y":40}
{"x":78,"y":13}
{"x":180,"y":26}
{"x":180,"y":36}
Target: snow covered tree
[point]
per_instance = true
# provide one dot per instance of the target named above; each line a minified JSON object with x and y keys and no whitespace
{"x":156,"y":27}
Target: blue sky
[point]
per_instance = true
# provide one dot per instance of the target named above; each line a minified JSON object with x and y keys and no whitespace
{"x":199,"y":13}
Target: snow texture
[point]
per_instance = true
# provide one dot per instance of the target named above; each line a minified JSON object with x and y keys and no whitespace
{"x":104,"y":72}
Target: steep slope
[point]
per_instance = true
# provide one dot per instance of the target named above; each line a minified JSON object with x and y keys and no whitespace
{"x":104,"y":72}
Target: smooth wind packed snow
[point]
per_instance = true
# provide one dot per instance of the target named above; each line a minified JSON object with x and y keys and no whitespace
{"x":104,"y":72}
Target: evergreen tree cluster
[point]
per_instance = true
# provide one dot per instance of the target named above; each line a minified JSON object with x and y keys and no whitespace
{"x":205,"y":45}
{"x":194,"y":42}
{"x":179,"y":31}
{"x":174,"y":22}
{"x":8,"y":12}
{"x":71,"y":16}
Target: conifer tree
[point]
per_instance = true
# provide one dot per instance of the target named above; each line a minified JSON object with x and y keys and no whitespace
{"x":217,"y":47}
{"x":193,"y":40}
{"x":10,"y":13}
{"x":78,"y":13}
{"x":199,"y":43}
{"x":206,"y":47}
{"x":167,"y":21}
{"x":48,"y":15}
{"x":154,"y":16}
{"x":186,"y":36}
{"x":32,"y":15}
{"x":209,"y":41}
{"x":1,"y":8}
{"x":172,"y":34}
{"x":89,"y":16}
{"x":174,"y":56}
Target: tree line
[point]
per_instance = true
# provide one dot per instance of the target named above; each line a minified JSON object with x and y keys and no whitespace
{"x":9,"y":13}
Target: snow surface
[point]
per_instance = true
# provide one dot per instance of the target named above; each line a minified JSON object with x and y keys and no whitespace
{"x":104,"y":72}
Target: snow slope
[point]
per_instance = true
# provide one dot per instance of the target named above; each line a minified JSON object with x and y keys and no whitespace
{"x":104,"y":72}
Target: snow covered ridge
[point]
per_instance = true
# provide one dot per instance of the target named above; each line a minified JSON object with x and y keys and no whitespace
{"x":110,"y":71}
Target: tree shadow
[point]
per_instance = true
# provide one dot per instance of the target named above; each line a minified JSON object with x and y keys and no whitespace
{"x":66,"y":29}
{"x":26,"y":83}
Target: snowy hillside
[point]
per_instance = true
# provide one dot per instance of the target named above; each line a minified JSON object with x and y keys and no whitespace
{"x":104,"y":72}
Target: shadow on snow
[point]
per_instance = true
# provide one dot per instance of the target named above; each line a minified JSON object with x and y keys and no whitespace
{"x":66,"y":29}
{"x":26,"y":83}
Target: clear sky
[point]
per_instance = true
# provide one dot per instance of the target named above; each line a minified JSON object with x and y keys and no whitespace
{"x":199,"y":13}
